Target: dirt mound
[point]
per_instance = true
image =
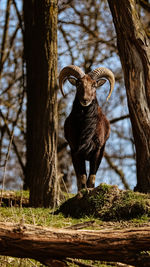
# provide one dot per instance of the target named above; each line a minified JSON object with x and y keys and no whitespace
{"x":107,"y":203}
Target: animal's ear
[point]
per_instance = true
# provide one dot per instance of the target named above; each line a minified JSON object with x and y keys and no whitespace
{"x":72,"y":80}
{"x":100,"y":82}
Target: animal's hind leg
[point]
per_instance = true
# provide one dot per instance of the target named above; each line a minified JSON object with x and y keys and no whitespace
{"x":94,"y":165}
{"x":80,"y":170}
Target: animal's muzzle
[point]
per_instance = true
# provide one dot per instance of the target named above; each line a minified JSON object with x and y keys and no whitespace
{"x":85,"y":103}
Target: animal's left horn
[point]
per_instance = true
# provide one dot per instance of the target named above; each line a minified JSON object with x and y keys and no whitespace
{"x":103,"y":73}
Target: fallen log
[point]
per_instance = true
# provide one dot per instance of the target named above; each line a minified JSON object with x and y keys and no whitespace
{"x":52,"y":246}
{"x":9,"y":199}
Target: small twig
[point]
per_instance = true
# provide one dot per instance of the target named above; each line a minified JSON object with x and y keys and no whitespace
{"x":5,"y":165}
{"x":117,"y":170}
{"x":31,"y":262}
{"x":81,"y":264}
{"x":65,"y":186}
{"x":21,"y":199}
{"x":80,"y":225}
{"x":33,"y":217}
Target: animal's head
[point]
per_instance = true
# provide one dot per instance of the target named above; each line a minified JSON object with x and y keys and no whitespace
{"x":86,"y":84}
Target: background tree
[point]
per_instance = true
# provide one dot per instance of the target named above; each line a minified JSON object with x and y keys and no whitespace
{"x":134,"y":51}
{"x":40,"y":42}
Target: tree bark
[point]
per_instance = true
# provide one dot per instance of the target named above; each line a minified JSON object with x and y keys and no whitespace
{"x":134,"y":51}
{"x":40,"y":41}
{"x":49,"y":244}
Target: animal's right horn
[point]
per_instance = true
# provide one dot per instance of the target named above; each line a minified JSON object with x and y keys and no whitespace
{"x":68,"y":71}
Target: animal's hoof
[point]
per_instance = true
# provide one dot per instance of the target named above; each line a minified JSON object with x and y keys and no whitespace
{"x":81,"y":182}
{"x":89,"y":189}
{"x":91,"y":181}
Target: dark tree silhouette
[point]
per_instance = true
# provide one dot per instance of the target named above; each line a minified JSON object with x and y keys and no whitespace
{"x":134,"y":51}
{"x":40,"y":42}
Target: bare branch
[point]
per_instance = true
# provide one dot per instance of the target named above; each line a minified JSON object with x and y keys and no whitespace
{"x":5,"y":33}
{"x":145,"y":4}
{"x":19,"y":16}
{"x":12,"y":39}
{"x":117,"y":170}
{"x":10,"y":134}
{"x":65,"y":36}
{"x":120,"y":118}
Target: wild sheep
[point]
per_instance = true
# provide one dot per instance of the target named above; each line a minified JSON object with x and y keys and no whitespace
{"x":86,"y":128}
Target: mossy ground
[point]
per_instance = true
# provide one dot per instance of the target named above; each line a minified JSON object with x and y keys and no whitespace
{"x":106,"y":205}
{"x":14,"y":262}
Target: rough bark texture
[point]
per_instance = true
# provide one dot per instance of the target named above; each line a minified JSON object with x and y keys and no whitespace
{"x":47,"y":244}
{"x":40,"y":18}
{"x":134,"y":51}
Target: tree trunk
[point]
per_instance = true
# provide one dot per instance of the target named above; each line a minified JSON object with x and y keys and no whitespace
{"x":134,"y":51}
{"x":44,"y":244}
{"x":40,"y":18}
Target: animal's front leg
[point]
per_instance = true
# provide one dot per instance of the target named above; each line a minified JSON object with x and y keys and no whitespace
{"x":94,"y":165}
{"x":80,"y":170}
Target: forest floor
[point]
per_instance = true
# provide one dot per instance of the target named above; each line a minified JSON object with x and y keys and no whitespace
{"x":115,"y":209}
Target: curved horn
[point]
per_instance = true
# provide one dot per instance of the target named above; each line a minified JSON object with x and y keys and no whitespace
{"x":104,"y":73}
{"x":70,"y":70}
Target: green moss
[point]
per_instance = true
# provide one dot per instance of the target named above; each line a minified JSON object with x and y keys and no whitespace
{"x":108,"y":203}
{"x":130,"y":205}
{"x":126,"y":205}
{"x":16,"y":262}
{"x":22,"y":193}
{"x":101,"y":197}
{"x":93,"y":263}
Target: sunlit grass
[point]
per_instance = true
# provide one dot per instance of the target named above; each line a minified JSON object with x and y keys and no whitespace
{"x":46,"y":218}
{"x":39,"y":217}
{"x":17,"y":262}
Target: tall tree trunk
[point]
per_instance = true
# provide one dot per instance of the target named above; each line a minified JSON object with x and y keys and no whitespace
{"x":40,"y":18}
{"x":134,"y":51}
